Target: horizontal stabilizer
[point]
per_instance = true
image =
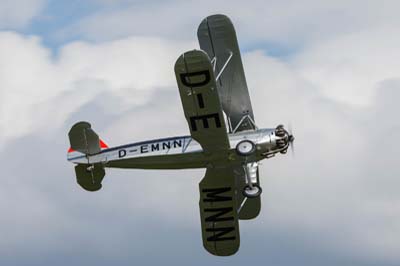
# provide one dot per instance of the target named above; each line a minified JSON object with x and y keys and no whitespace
{"x":89,"y":177}
{"x":84,"y":139}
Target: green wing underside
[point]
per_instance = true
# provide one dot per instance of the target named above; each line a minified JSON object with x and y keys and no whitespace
{"x":222,"y":204}
{"x":217,"y":37}
{"x":218,"y":212}
{"x":200,"y":101}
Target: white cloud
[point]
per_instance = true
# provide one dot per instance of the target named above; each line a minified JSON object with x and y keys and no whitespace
{"x":37,"y":88}
{"x":18,"y":13}
{"x":327,"y":189}
{"x":339,"y":193}
{"x":350,"y":68}
{"x":338,"y":44}
{"x":288,"y":23}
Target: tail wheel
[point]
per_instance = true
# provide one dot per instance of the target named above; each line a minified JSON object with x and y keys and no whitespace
{"x":245,"y":147}
{"x":252,"y":192}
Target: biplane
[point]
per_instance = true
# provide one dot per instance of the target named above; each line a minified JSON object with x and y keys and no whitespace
{"x":224,"y":139}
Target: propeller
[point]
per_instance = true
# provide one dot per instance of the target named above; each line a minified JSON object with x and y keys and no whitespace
{"x":291,"y":138}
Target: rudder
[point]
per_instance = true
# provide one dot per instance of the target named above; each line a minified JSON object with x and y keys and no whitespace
{"x":84,"y":139}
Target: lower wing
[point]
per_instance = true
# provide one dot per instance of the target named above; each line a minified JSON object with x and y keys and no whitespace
{"x":218,"y":211}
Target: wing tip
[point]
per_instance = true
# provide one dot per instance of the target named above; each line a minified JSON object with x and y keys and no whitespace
{"x":222,"y":252}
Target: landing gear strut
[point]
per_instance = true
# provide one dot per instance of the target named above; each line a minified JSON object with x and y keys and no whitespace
{"x":247,"y":148}
{"x":252,"y":189}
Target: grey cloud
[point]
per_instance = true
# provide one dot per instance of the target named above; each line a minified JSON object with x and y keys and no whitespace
{"x":17,"y":14}
{"x":284,"y":25}
{"x":335,"y":203}
{"x":316,"y":208}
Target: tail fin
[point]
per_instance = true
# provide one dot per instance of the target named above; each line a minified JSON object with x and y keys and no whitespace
{"x":84,"y":139}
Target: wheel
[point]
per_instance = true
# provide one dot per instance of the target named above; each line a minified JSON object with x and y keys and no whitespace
{"x":252,"y":192}
{"x":245,"y":147}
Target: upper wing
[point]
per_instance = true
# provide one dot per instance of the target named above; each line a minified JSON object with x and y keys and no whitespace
{"x":217,"y":37}
{"x":218,"y":211}
{"x":200,"y":101}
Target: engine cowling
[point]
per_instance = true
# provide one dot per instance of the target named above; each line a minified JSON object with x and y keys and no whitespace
{"x":280,"y":131}
{"x":283,"y":138}
{"x":281,"y":143}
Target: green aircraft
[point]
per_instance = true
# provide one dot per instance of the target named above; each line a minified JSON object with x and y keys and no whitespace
{"x":224,"y":139}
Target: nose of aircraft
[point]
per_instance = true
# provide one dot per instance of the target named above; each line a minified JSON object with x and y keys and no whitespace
{"x":285,"y":137}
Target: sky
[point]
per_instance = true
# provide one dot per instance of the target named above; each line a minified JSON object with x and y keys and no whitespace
{"x":329,"y":68}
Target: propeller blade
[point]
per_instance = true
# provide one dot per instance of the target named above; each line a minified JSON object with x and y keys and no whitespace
{"x":292,"y":148}
{"x":291,"y":139}
{"x":290,"y":128}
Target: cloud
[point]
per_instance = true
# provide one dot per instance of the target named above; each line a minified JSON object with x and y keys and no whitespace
{"x":284,"y":24}
{"x":349,"y":68}
{"x":318,"y":207}
{"x":18,"y":13}
{"x":37,"y":88}
{"x":339,"y":183}
{"x":335,"y":203}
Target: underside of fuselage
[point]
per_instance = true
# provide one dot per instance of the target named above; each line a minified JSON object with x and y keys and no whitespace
{"x":174,"y":161}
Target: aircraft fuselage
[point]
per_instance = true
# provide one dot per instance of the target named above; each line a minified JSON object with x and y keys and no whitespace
{"x":179,"y":152}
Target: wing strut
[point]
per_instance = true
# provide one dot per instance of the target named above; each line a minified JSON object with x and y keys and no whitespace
{"x":214,"y":63}
{"x":242,"y":120}
{"x":223,"y":68}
